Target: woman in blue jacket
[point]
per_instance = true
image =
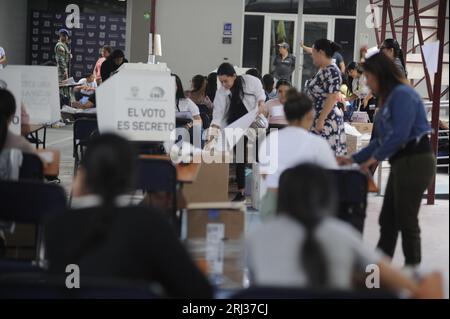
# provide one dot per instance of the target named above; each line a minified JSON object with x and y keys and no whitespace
{"x":402,"y":136}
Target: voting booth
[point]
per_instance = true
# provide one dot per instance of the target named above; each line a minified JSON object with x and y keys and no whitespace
{"x":11,"y":81}
{"x":138,"y":103}
{"x":36,"y":88}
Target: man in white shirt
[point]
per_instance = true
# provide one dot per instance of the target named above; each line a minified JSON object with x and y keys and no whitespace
{"x":2,"y":58}
{"x":87,"y":85}
{"x":291,"y":146}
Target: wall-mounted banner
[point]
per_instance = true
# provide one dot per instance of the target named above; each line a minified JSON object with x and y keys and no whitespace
{"x":138,"y":104}
{"x":11,"y":81}
{"x":96,"y":30}
{"x":40,"y":92}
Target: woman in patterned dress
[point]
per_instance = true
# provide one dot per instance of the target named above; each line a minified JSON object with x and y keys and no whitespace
{"x":324,"y":90}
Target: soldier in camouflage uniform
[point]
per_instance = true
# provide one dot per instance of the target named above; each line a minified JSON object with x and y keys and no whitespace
{"x":63,"y":57}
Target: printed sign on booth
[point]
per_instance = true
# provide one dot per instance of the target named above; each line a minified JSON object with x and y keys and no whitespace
{"x":40,"y":92}
{"x":140,"y":105}
{"x":11,"y":81}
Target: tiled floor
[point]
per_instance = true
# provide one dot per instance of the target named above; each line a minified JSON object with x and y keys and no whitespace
{"x":434,"y":219}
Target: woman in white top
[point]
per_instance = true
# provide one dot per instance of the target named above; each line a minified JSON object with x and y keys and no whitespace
{"x":275,"y":107}
{"x":237,"y":96}
{"x":87,"y":85}
{"x":291,"y":146}
{"x":185,"y":104}
{"x":306,"y":247}
{"x":360,"y":90}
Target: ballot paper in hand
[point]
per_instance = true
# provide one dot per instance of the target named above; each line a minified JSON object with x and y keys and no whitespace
{"x":69,"y":81}
{"x":236,"y":130}
{"x":277,"y":111}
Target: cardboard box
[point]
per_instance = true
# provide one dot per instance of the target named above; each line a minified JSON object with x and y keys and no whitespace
{"x":232,"y":215}
{"x":353,"y":144}
{"x":211,"y":184}
{"x":360,"y":117}
{"x":224,"y":257}
{"x":363,"y":128}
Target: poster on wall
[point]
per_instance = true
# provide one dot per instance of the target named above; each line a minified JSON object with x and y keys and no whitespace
{"x":96,"y":30}
{"x":11,"y":81}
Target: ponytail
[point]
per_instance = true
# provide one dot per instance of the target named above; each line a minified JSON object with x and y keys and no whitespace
{"x":398,"y":52}
{"x":307,"y":195}
{"x":327,"y":46}
{"x":7,"y":111}
{"x":402,"y":60}
{"x":312,"y":257}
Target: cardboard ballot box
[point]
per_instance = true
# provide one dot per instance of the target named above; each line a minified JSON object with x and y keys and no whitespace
{"x":358,"y":136}
{"x":211,"y":184}
{"x":363,"y":128}
{"x":215,"y":234}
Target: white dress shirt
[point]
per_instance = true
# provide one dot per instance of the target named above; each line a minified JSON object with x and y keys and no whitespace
{"x":253,"y":94}
{"x":290,"y":147}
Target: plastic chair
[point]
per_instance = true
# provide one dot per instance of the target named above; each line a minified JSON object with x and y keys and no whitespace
{"x":257,"y":293}
{"x":32,"y":168}
{"x":83,"y":130}
{"x":29,"y":203}
{"x":352,"y":188}
{"x":158,"y":175}
{"x":45,"y":286}
{"x":18,"y":267}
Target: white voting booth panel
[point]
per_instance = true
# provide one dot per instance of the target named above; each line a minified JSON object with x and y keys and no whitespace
{"x":11,"y":81}
{"x":40,"y":92}
{"x":138,"y":103}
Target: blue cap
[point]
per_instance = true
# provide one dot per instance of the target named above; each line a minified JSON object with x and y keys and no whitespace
{"x":65,"y":31}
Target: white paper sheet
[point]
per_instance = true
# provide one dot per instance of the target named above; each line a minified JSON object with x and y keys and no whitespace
{"x":236,"y":130}
{"x":431,"y":55}
{"x":277,"y":111}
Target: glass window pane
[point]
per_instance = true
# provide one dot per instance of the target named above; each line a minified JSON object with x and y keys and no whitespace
{"x":281,"y":31}
{"x":272,"y":6}
{"x":330,"y":7}
{"x":345,"y":36}
{"x":313,"y":31}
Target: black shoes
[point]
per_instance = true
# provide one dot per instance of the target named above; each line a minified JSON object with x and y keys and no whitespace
{"x":239,"y":198}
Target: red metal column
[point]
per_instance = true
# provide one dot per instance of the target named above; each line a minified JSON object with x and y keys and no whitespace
{"x":420,"y":34}
{"x":391,"y":19}
{"x":405,"y":28}
{"x":384,"y":21}
{"x":437,"y":91}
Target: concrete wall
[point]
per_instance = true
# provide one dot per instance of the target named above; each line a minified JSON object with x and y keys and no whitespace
{"x":13,"y":30}
{"x":138,"y":29}
{"x":192,"y":34}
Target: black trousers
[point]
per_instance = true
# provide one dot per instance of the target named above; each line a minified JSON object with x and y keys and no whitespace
{"x":409,"y":178}
{"x":241,"y":161}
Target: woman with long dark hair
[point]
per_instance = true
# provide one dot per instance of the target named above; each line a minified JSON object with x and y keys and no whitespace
{"x":401,"y":135}
{"x":361,"y":94}
{"x":108,"y":238}
{"x":393,"y":51}
{"x":305,"y":246}
{"x":237,"y":96}
{"x":198,"y":92}
{"x":9,"y":140}
{"x":185,"y":104}
{"x":211,"y":86}
{"x":324,"y":90}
